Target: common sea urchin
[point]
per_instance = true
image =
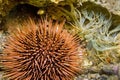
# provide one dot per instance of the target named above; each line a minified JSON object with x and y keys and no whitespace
{"x":42,"y":51}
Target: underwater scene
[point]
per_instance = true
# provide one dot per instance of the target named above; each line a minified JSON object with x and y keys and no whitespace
{"x":59,"y":39}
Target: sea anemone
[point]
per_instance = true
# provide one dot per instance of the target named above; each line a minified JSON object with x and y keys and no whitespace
{"x":102,"y":38}
{"x":42,"y":51}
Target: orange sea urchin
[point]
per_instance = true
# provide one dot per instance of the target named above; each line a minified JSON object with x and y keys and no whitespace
{"x":43,"y":51}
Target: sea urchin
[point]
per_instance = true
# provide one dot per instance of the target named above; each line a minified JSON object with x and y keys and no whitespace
{"x":43,"y":51}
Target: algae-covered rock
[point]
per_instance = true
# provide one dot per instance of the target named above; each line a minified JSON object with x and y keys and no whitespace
{"x":7,"y":5}
{"x":112,"y":5}
{"x":52,"y":7}
{"x":15,"y":12}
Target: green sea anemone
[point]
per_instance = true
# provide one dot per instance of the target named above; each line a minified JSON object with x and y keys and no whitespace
{"x":102,"y":41}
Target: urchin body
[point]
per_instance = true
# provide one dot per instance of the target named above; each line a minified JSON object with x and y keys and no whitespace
{"x":41,"y":52}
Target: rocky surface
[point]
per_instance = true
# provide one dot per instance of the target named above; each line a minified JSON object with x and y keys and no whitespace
{"x":14,"y":12}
